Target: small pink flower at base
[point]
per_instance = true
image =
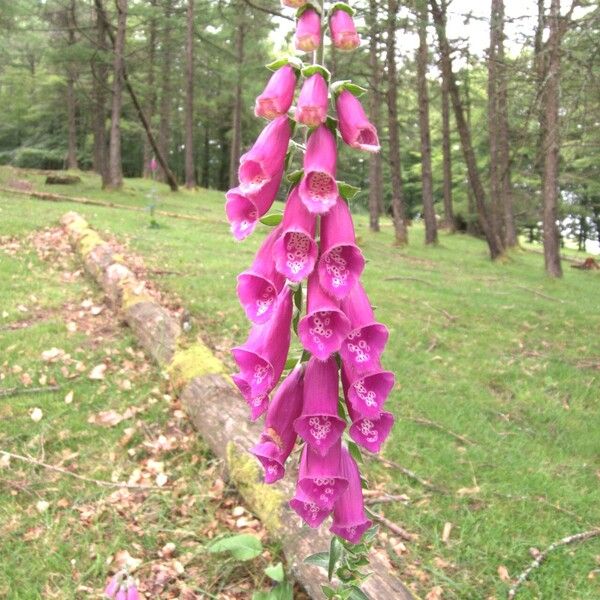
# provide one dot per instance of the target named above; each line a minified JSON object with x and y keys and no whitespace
{"x":121,"y":594}
{"x":265,"y":160}
{"x":278,"y":438}
{"x":311,"y":109}
{"x":319,"y":425}
{"x":356,"y":129}
{"x":343,"y":31}
{"x":368,"y":393}
{"x":307,"y":510}
{"x":308,"y":31}
{"x":114,"y":584}
{"x":296,"y":251}
{"x":153,"y":164}
{"x":244,"y":210}
{"x":262,"y":358}
{"x":341,"y":263}
{"x":278,"y":95}
{"x":318,"y":188}
{"x":369,"y":432}
{"x":363,"y":347}
{"x":259,"y":286}
{"x":349,"y":519}
{"x":293,"y":3}
{"x":324,"y":327}
{"x":320,"y":477}
{"x":132,"y":592}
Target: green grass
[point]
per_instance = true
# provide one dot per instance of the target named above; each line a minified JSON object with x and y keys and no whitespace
{"x":497,"y":353}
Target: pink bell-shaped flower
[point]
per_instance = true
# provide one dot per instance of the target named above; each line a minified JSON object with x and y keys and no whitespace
{"x":349,"y":519}
{"x":356,"y":129}
{"x":319,"y":425}
{"x":324,"y":327}
{"x":307,"y":510}
{"x":343,"y":31}
{"x":341,"y":263}
{"x":278,"y":438}
{"x":368,"y":392}
{"x":361,"y":351}
{"x":318,"y":188}
{"x":308,"y":31}
{"x":296,"y":251}
{"x":320,"y":477}
{"x":265,"y":160}
{"x":259,"y":286}
{"x":278,"y":95}
{"x":244,"y":210}
{"x":311,"y":109}
{"x":262,"y":358}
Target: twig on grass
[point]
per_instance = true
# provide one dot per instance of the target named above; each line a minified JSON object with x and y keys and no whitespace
{"x":400,"y":278}
{"x":38,"y":463}
{"x":522,"y":287}
{"x":570,"y":539}
{"x":17,"y":391}
{"x":410,"y":474}
{"x":446,"y":314}
{"x":429,"y":423}
{"x":393,"y":527}
{"x":386,"y":499}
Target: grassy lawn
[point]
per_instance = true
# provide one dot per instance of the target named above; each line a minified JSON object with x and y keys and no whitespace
{"x":497,"y":403}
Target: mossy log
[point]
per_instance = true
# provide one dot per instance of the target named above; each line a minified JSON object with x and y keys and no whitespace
{"x":218,"y":412}
{"x":61,"y":179}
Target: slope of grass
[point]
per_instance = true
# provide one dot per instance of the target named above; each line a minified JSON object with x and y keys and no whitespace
{"x":494,"y":353}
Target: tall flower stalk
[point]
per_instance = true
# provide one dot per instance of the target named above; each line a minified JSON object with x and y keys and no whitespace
{"x":306,"y":278}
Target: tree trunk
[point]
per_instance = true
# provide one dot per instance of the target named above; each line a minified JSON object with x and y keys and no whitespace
{"x":398,"y":206}
{"x":493,"y":240}
{"x":431,"y":236}
{"x":493,"y":126}
{"x":190,"y":173}
{"x":115,"y":169}
{"x":151,"y":106}
{"x":550,"y":145}
{"x":510,"y":229}
{"x":164,"y":127}
{"x":71,"y":100}
{"x":100,"y":76}
{"x":375,"y":166}
{"x":446,"y":151}
{"x":236,"y":132}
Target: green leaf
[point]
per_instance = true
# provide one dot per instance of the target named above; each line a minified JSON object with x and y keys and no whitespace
{"x":355,"y":452}
{"x":290,"y":363}
{"x":293,"y":61}
{"x":320,"y":559}
{"x":335,"y":552}
{"x":295,"y":176}
{"x":328,"y":591}
{"x":332,"y":125}
{"x":272,"y":219}
{"x":313,"y":69}
{"x":312,"y":4}
{"x":358,"y":594}
{"x":241,"y":547}
{"x":370,"y":534}
{"x":298,"y":296}
{"x":347,"y":191}
{"x":337,"y":87}
{"x":275,"y":572}
{"x":341,"y":6}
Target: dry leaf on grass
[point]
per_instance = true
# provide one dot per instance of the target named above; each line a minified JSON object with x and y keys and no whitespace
{"x":52,"y":355}
{"x":69,"y":397}
{"x":97,"y":373}
{"x":435,"y":593}
{"x":36,"y":415}
{"x":446,"y":532}
{"x":503,"y":574}
{"x":106,"y":418}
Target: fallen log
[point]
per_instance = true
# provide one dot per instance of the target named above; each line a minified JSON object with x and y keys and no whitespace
{"x":218,"y":412}
{"x":62,"y":179}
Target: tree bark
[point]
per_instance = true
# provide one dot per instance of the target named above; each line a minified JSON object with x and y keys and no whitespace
{"x":115,"y":169}
{"x":446,"y":149}
{"x":431,"y":235}
{"x":550,"y":145}
{"x":510,"y":229}
{"x":375,"y":166}
{"x":100,"y":76}
{"x":398,"y":205}
{"x":71,"y":100}
{"x":151,"y":106}
{"x":164,"y":127}
{"x":190,"y":172}
{"x":236,"y":131}
{"x":493,"y":239}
